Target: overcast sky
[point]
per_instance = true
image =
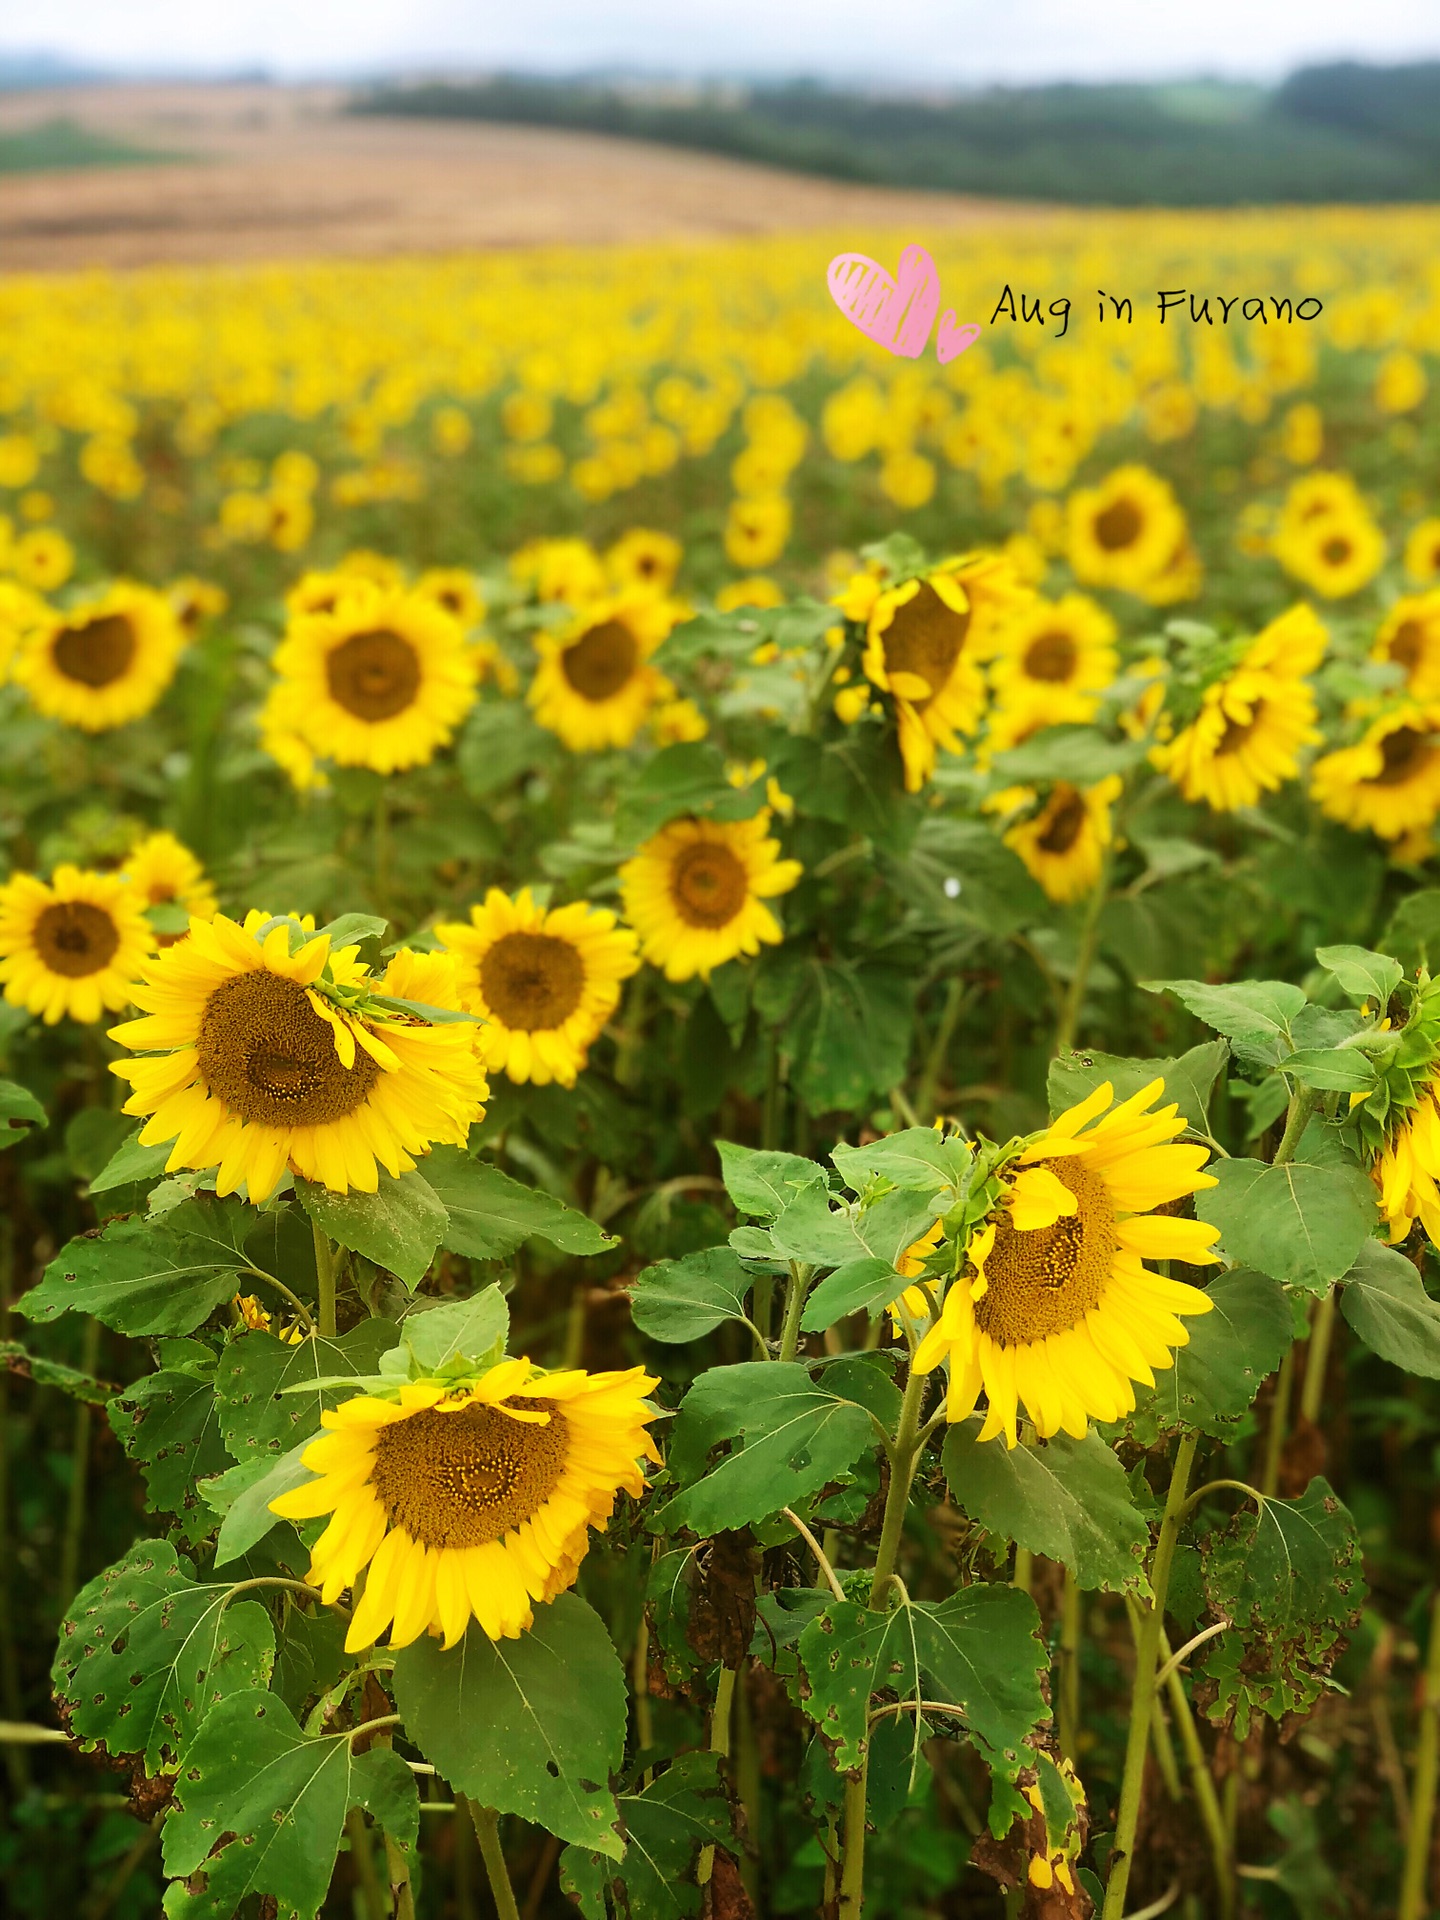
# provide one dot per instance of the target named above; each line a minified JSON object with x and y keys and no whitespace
{"x":964,"y":40}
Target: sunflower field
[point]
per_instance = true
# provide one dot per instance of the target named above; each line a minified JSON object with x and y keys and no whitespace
{"x":721,"y":1084}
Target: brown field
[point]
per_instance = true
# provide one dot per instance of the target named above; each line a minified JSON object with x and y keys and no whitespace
{"x":272,"y":172}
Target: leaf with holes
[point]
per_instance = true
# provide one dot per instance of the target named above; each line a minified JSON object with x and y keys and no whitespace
{"x":534,"y":1726}
{"x":788,"y":1436}
{"x":1231,"y":1352}
{"x":399,"y":1227}
{"x":680,"y":1300}
{"x":491,"y":1214}
{"x":147,"y":1276}
{"x":682,"y":1810}
{"x":1189,"y":1079}
{"x":257,"y":1377}
{"x":1068,"y":1499}
{"x":20,"y":1113}
{"x":169,"y":1423}
{"x":1300,"y":1223}
{"x":260,"y":1808}
{"x":1385,"y":1302}
{"x":146,"y":1654}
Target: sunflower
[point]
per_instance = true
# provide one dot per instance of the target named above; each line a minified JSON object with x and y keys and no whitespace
{"x":165,"y":873}
{"x":21,"y":612}
{"x":1334,"y":552}
{"x":1389,"y":781}
{"x":696,"y":893}
{"x":1422,"y":552}
{"x":195,"y":601}
{"x":544,"y":983}
{"x":1063,"y":844}
{"x":1125,"y":532}
{"x":469,"y":1497}
{"x":568,"y":571}
{"x":73,"y":948}
{"x":380,"y":681}
{"x":321,"y":592}
{"x":1056,"y":1311}
{"x":594,"y":685}
{"x":263,"y":1059}
{"x":1410,"y":637}
{"x":453,"y":589}
{"x":644,"y":558}
{"x":105,"y":661}
{"x":923,"y":642}
{"x":1053,"y":660}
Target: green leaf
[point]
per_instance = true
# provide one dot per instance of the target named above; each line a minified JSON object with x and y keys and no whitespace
{"x":1413,"y":934}
{"x":257,"y":1378}
{"x":978,"y":1651}
{"x":534,"y":1726}
{"x":813,"y":1231}
{"x":169,"y":1423}
{"x":869,"y":1282}
{"x":1078,"y":754}
{"x":145,"y":1654}
{"x":92,"y":1136}
{"x":1189,"y":1078}
{"x":1289,"y":1579}
{"x":1364,"y":975}
{"x":260,"y":1808}
{"x":147,"y":1276}
{"x":52,"y":1373}
{"x":1068,"y":1499}
{"x":491,"y":1214}
{"x":243,"y":1495}
{"x":1386,"y":1304}
{"x":789,"y":1436}
{"x":1232,"y":1351}
{"x":1333,"y":1069}
{"x":682,"y":1810}
{"x":20,"y":1111}
{"x":350,"y":929}
{"x":1254,"y":1014}
{"x":688,"y":777}
{"x":398,"y":1228}
{"x":1299,"y":1223}
{"x":680,"y":1300}
{"x":850,"y":1034}
{"x":917,"y":1158}
{"x":762,"y":1182}
{"x":131,"y":1165}
{"x":458,"y":1331}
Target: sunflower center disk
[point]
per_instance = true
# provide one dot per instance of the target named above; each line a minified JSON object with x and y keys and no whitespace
{"x":601,"y":661}
{"x":708,"y":885}
{"x":1065,"y":824}
{"x":269,"y":1057}
{"x":1406,"y":645}
{"x":1237,"y":732}
{"x":925,"y":637}
{"x":1047,"y":1279}
{"x":464,"y":1479}
{"x":1403,"y":755}
{"x":1335,"y":550}
{"x":1050,"y":657}
{"x":374,"y":675}
{"x":532,"y":981}
{"x":1118,"y":526}
{"x":73,"y":938}
{"x":96,"y":652}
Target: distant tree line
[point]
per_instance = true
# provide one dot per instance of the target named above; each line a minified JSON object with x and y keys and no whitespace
{"x":1343,"y":132}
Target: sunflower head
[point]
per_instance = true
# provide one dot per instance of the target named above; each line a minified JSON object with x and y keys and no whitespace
{"x":264,"y":1051}
{"x":164,"y":873}
{"x":103,"y":662}
{"x":644,"y":559}
{"x":544,"y":983}
{"x":1409,"y":638}
{"x":696,"y":893}
{"x":1389,"y":781}
{"x":1052,"y":1308}
{"x":1051,"y":662}
{"x":1063,"y":841}
{"x":73,"y":948}
{"x":594,"y":685}
{"x":1126,"y":532}
{"x":469,"y":1497}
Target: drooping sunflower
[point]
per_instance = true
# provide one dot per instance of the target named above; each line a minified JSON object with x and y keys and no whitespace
{"x":1063,"y":843}
{"x":74,"y":948}
{"x":1125,"y":532}
{"x":924,"y":641}
{"x":696,"y":893}
{"x":1410,"y":637}
{"x":594,"y":685}
{"x":164,"y":872}
{"x":382,"y":680}
{"x":1389,"y":781}
{"x":469,"y":1498}
{"x":544,"y":983}
{"x":260,"y":1058}
{"x":1054,"y":659}
{"x":1057,"y":1312}
{"x":104,"y":662}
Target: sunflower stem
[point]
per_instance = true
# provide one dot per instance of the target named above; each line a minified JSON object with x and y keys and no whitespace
{"x":1413,"y":1903}
{"x":362,"y":1858}
{"x":720,"y":1717}
{"x":1203,"y":1784}
{"x":1303,"y":1103}
{"x":487,"y":1832}
{"x":79,"y":1473}
{"x":1071,"y":1632}
{"x":939,"y":1054}
{"x":1024,"y":1569}
{"x":1322,"y":1328}
{"x":1142,"y":1701}
{"x":1073,"y":1004}
{"x":1279,"y":1421}
{"x":382,"y":848}
{"x":799,"y":1286}
{"x":325,"y":1279}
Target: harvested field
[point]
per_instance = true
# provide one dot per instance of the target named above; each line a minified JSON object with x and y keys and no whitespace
{"x":271,"y":172}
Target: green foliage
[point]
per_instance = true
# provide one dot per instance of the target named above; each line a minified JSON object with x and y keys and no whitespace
{"x":680,"y":1300}
{"x":534,"y":1726}
{"x":1386,"y":1304}
{"x":1189,"y":1080}
{"x":260,"y":1808}
{"x":170,"y":1423}
{"x":20,"y":1113}
{"x":141,"y":1276}
{"x":268,"y":1392}
{"x":399,"y":1227}
{"x":490,"y":1215}
{"x":1254,"y":1015}
{"x":666,"y":1825}
{"x":1218,"y":1373}
{"x":1068,"y":1499}
{"x":1301,"y":1223}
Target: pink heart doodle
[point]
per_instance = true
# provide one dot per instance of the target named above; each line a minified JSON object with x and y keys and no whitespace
{"x":951,"y":340}
{"x":896,"y":314}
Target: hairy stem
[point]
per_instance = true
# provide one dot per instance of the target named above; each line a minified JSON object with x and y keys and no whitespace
{"x":362,"y":1858}
{"x":1322,"y":1327}
{"x":487,"y":1832}
{"x":1071,"y":1631}
{"x":325,"y":1279}
{"x":1413,"y":1901}
{"x":1073,"y":1004}
{"x":794,"y":1306}
{"x":1203,"y":1785}
{"x":1142,"y":1701}
{"x":720,"y":1719}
